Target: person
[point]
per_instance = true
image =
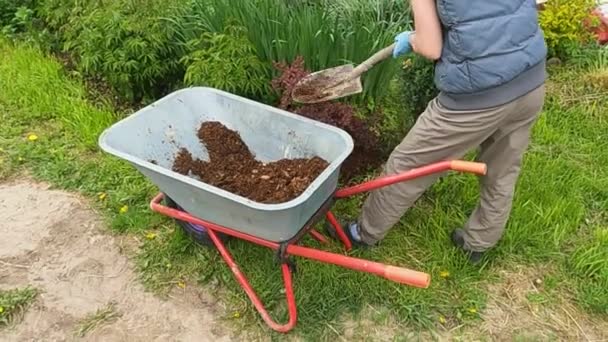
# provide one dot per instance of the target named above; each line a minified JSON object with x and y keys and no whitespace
{"x":490,"y":72}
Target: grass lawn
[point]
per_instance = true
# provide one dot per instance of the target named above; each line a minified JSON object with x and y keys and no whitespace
{"x":559,"y":224}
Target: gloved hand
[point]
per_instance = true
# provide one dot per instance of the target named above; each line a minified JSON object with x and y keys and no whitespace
{"x":402,"y":44}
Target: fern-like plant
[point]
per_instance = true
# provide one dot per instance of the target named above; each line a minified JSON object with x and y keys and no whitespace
{"x":135,"y":50}
{"x":227,"y":61}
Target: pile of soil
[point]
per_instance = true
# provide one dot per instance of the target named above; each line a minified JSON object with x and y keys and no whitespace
{"x":314,"y":89}
{"x":232,"y":167}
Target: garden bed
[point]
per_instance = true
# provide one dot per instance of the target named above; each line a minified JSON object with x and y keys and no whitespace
{"x":232,"y":167}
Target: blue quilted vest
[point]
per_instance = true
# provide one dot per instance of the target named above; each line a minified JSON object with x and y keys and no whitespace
{"x":489,"y":44}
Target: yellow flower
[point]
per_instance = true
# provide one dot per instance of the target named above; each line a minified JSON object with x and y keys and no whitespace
{"x":1,"y":309}
{"x":124,"y":209}
{"x":181,"y":285}
{"x":102,"y":196}
{"x":442,"y":319}
{"x":472,"y":310}
{"x":444,"y":274}
{"x":32,"y":137}
{"x":20,"y":159}
{"x":236,"y":314}
{"x":151,"y":236}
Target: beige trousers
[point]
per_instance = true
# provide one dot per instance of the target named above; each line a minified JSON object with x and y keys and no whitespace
{"x":502,"y":133}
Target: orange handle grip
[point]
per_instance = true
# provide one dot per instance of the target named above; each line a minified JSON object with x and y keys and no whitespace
{"x":470,"y":167}
{"x":408,"y":277}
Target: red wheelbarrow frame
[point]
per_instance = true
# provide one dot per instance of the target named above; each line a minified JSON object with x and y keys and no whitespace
{"x":393,"y":273}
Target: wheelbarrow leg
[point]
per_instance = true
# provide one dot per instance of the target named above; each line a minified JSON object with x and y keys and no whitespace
{"x":339,"y":231}
{"x":318,"y":236}
{"x":242,"y":279}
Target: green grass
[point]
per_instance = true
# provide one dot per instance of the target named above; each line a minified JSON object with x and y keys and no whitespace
{"x":558,"y":219}
{"x":105,"y":315}
{"x":13,"y":303}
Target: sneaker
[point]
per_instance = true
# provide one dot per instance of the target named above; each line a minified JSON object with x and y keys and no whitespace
{"x":458,"y":240}
{"x":348,"y":230}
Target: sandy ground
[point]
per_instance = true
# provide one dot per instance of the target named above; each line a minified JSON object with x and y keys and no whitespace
{"x":52,"y":241}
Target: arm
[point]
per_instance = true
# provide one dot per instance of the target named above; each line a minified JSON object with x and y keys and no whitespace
{"x":427,"y":40}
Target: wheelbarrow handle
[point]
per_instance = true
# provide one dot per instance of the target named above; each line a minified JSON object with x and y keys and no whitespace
{"x":393,"y":273}
{"x":406,"y":276}
{"x":469,"y":167}
{"x":454,"y":165}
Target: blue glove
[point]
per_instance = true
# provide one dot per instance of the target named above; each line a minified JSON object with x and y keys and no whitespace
{"x":402,"y":44}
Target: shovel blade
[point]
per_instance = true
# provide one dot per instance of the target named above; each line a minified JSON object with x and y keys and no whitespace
{"x":326,"y":85}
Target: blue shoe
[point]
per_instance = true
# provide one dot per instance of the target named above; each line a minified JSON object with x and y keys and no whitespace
{"x":349,"y":233}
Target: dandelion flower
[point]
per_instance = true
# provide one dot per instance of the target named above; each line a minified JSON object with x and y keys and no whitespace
{"x":32,"y":137}
{"x":472,"y":310}
{"x":444,"y":274}
{"x":151,"y":236}
{"x":181,"y":285}
{"x":124,"y":209}
{"x":102,"y":196}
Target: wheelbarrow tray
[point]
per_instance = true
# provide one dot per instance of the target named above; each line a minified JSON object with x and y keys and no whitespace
{"x":150,"y":138}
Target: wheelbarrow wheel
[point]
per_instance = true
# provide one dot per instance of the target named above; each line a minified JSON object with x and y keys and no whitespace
{"x":196,"y":232}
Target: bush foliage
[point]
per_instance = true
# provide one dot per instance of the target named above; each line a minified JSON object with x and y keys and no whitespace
{"x":227,"y":61}
{"x":566,"y":25}
{"x":418,"y":87}
{"x":135,"y":51}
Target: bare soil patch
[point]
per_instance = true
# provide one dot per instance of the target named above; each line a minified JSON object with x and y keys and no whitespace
{"x":52,"y":241}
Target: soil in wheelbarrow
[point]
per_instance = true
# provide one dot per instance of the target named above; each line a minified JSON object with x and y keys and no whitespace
{"x":232,"y":167}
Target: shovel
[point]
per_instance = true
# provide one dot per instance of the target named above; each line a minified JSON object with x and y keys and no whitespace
{"x":334,"y":83}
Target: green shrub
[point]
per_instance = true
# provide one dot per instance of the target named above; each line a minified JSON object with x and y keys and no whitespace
{"x":227,"y":61}
{"x":8,"y":8}
{"x":418,"y":87}
{"x":565,"y":25}
{"x":133,"y":48}
{"x":22,"y":21}
{"x":59,"y":16}
{"x":57,"y":13}
{"x":16,"y":16}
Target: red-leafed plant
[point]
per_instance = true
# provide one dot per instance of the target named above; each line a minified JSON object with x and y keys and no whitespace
{"x":366,"y":154}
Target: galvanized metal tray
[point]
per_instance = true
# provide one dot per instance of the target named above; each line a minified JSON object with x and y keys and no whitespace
{"x":150,"y":138}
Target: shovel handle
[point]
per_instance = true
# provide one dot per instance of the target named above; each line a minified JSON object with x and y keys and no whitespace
{"x":373,"y":60}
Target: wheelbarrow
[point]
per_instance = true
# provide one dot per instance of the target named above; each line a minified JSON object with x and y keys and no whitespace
{"x":150,"y":139}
